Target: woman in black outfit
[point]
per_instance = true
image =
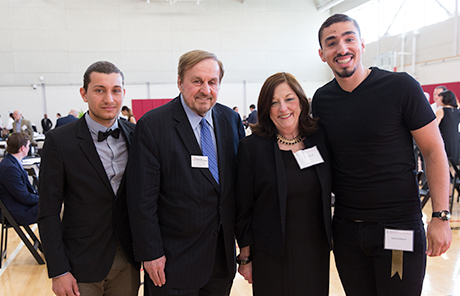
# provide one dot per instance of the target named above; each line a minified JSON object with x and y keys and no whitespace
{"x":448,"y":118}
{"x":284,"y":211}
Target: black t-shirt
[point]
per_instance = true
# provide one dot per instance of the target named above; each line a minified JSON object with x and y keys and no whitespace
{"x":372,"y":150}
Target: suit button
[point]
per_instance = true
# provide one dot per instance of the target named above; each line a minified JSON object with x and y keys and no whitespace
{"x":216,"y":233}
{"x":220,"y":207}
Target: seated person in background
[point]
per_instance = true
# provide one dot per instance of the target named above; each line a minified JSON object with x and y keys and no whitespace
{"x":16,"y":192}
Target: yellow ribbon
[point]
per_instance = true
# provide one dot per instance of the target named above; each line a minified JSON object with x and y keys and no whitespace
{"x":397,"y":263}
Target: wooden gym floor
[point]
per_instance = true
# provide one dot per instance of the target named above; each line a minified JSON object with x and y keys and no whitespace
{"x":22,"y":276}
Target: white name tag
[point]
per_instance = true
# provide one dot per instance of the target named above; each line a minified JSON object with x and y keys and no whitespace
{"x":402,"y":240}
{"x":24,"y":127}
{"x":199,"y":161}
{"x":308,"y":157}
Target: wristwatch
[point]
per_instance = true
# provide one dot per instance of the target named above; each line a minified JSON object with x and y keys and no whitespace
{"x":444,"y":215}
{"x":243,"y":261}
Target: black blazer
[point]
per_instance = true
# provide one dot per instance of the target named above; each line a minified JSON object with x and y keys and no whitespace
{"x":176,"y":210}
{"x":64,"y":120}
{"x":16,"y":192}
{"x":72,"y":173}
{"x":262,"y":192}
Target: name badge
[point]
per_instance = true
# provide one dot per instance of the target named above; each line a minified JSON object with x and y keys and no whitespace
{"x":308,"y":157}
{"x":199,"y":161}
{"x":24,"y":127}
{"x":402,"y":240}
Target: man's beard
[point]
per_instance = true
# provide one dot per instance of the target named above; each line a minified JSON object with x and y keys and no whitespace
{"x":345,"y":73}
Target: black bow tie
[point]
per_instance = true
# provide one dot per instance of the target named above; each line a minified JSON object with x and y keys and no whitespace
{"x":103,"y":135}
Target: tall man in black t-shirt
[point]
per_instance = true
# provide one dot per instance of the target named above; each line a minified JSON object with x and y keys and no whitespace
{"x":370,"y":117}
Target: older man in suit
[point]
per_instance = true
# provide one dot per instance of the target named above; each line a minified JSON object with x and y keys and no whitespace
{"x":72,"y":116}
{"x":16,"y":192}
{"x":182,"y":183}
{"x":83,"y":164}
{"x":21,"y":125}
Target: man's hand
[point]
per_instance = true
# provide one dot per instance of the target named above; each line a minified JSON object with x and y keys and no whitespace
{"x":65,"y":285}
{"x":246,"y":271}
{"x":439,"y":237}
{"x":156,"y":270}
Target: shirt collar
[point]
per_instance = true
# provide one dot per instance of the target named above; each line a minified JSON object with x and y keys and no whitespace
{"x":194,"y":118}
{"x":96,"y":127}
{"x":19,"y":161}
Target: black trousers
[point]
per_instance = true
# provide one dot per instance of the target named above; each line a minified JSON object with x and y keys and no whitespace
{"x":364,"y":265}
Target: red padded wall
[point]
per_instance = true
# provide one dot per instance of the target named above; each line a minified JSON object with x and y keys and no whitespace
{"x":453,"y":86}
{"x":140,"y":107}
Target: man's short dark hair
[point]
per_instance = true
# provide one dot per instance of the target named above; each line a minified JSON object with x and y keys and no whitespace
{"x":16,"y":141}
{"x":252,"y":106}
{"x":336,"y":18}
{"x":100,"y":67}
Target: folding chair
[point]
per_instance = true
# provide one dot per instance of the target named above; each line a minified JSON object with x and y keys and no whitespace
{"x":455,"y":181}
{"x":31,"y":172}
{"x":424,"y":190}
{"x":32,"y":243}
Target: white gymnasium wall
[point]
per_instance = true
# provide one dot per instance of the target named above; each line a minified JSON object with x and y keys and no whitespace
{"x":58,"y":39}
{"x":437,"y":60}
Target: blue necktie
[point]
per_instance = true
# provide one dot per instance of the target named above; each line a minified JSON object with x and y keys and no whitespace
{"x":208,"y":149}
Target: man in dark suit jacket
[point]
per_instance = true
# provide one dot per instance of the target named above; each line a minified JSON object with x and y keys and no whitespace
{"x":252,"y":118}
{"x":16,"y":192}
{"x":46,"y":124}
{"x":83,"y":164}
{"x":73,"y":114}
{"x":182,"y":216}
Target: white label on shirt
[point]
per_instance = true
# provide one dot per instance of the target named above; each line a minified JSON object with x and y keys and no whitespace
{"x":402,"y":240}
{"x":308,"y":157}
{"x":24,"y":127}
{"x":199,"y":161}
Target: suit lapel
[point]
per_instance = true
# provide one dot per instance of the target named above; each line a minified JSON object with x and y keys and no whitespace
{"x":282,"y":181}
{"x":318,"y":168}
{"x":126,"y":132}
{"x":221,"y":128}
{"x":89,"y":150}
{"x":184,"y":129}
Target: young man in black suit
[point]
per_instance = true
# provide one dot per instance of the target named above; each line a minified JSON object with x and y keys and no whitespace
{"x":181,"y":196}
{"x":89,"y":252}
